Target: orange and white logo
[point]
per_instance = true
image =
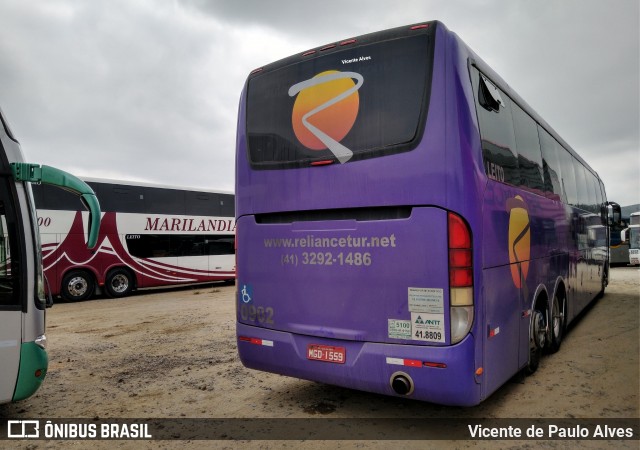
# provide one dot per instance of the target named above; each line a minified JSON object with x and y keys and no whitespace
{"x":519,"y":240}
{"x":325,"y":110}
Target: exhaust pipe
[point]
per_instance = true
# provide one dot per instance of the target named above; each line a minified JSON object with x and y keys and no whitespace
{"x":401,"y":383}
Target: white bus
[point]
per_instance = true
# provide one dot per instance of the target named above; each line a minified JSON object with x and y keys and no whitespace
{"x":23,"y":355}
{"x":633,"y":235}
{"x":150,"y":236}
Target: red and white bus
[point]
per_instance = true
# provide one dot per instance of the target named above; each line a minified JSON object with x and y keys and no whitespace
{"x":150,"y":236}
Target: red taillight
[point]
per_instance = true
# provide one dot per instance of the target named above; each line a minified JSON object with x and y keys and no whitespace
{"x":324,"y":162}
{"x":419,"y":27}
{"x":460,"y":256}
{"x":459,"y":234}
{"x":460,"y":277}
{"x":347,"y":42}
{"x":461,"y":311}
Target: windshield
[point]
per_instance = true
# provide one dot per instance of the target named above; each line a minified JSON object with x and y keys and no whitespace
{"x":634,"y":237}
{"x":349,"y":104}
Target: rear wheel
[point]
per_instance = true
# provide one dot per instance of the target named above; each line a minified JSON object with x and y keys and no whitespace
{"x":558,"y":323}
{"x":537,"y":340}
{"x":77,"y":285}
{"x":604,"y":282}
{"x":119,"y":283}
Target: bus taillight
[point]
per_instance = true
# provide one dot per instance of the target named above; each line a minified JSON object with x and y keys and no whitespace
{"x":323,"y":162}
{"x":460,"y":277}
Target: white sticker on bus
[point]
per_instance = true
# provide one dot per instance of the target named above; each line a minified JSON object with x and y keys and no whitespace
{"x":399,"y":329}
{"x":427,"y":327}
{"x":427,"y":300}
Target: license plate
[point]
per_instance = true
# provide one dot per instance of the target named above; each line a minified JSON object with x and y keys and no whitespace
{"x":326,"y":353}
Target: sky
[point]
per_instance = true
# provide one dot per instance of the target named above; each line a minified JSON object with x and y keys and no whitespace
{"x":148,"y":90}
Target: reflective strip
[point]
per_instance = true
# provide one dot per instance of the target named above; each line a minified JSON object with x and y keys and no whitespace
{"x":257,"y":341}
{"x":404,"y":362}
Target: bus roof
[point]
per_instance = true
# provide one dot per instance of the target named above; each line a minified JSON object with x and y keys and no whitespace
{"x":153,"y":185}
{"x":393,"y":33}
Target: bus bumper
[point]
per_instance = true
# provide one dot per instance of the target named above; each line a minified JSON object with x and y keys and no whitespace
{"x":443,"y":375}
{"x":34,"y":362}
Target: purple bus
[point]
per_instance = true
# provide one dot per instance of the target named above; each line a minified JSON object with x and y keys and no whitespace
{"x":406,"y":223}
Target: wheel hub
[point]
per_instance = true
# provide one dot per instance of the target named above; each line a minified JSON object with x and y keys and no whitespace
{"x":77,"y":286}
{"x":120,"y":283}
{"x":539,"y":330}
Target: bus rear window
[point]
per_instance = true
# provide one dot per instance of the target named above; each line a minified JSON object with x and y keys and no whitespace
{"x":360,"y":102}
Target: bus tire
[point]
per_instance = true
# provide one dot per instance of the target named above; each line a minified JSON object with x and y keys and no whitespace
{"x":119,"y":283}
{"x":604,"y":282}
{"x":77,"y":285}
{"x":558,"y":322}
{"x":537,"y":340}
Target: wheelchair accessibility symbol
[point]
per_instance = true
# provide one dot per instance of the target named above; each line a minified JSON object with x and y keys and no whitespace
{"x":246,"y":293}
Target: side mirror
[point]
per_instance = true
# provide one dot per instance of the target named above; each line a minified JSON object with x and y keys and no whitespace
{"x":34,"y":173}
{"x":614,"y":214}
{"x":48,"y":293}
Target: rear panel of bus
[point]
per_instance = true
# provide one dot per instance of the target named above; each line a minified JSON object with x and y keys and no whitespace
{"x":354,"y":226}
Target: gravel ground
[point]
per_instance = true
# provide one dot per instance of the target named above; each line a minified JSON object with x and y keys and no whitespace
{"x":172,"y":354}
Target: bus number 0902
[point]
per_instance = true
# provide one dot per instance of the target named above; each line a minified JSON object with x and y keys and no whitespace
{"x":259,"y":314}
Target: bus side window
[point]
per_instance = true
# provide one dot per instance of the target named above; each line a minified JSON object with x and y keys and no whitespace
{"x":567,"y":169}
{"x":220,"y":245}
{"x":550,"y":165}
{"x":581,"y":184}
{"x":489,"y":96}
{"x":528,"y":146}
{"x":496,"y":131}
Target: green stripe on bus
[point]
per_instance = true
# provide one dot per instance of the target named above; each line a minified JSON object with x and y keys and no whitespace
{"x":33,"y":368}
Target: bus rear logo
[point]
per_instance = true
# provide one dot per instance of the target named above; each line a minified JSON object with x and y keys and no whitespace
{"x":325,"y":110}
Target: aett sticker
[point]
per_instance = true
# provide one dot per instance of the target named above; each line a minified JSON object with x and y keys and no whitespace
{"x":399,"y":329}
{"x":427,"y":300}
{"x":427,"y":327}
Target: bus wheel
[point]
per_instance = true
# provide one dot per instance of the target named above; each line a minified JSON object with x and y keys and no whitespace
{"x":604,"y":282}
{"x":77,"y":285}
{"x":537,"y":341}
{"x":558,"y":323}
{"x":119,"y":283}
